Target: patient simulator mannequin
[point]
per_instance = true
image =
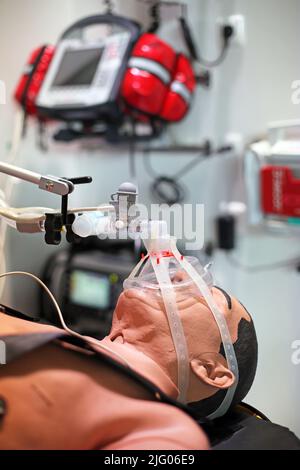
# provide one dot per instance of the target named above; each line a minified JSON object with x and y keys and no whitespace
{"x":60,"y":397}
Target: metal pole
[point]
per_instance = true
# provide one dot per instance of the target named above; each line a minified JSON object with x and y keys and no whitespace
{"x":19,"y":173}
{"x":50,"y":184}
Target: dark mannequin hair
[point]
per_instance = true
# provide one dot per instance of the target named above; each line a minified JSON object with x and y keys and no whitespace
{"x":246,"y":353}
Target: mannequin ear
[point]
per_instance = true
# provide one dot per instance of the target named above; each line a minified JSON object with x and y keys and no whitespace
{"x":212,"y":370}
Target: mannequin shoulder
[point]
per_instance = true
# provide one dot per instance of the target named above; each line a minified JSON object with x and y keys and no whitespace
{"x":10,"y":326}
{"x":161,"y":427}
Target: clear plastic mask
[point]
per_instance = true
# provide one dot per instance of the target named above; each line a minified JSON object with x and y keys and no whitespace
{"x":147,"y":279}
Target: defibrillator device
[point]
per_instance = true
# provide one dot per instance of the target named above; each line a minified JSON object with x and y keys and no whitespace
{"x":105,"y":70}
{"x":273,"y":177}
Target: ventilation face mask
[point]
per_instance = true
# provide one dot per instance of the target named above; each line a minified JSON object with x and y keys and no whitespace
{"x":157,"y":271}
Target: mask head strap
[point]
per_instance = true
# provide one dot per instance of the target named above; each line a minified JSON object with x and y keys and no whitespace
{"x":160,"y":266}
{"x":222,"y":325}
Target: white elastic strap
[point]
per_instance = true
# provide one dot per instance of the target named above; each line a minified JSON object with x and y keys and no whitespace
{"x":222,"y":325}
{"x":175,"y":324}
{"x":151,"y":66}
{"x":182,"y":90}
{"x":137,"y":268}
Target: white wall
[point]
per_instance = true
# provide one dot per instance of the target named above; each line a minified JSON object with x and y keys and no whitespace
{"x":250,"y":89}
{"x":254,"y":88}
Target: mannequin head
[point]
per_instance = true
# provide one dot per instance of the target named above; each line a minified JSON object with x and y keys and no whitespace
{"x":140,"y":322}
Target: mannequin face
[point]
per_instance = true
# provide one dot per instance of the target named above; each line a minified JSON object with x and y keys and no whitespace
{"x":140,"y":322}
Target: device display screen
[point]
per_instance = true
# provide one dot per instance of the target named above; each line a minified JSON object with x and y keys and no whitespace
{"x":90,"y":289}
{"x":78,"y":67}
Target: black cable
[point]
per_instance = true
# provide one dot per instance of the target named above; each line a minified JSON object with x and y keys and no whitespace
{"x":163,"y":188}
{"x":218,"y":61}
{"x":292,"y":262}
{"x":132,"y":153}
{"x":167,"y":188}
{"x":154,"y":12}
{"x":155,"y":15}
{"x":109,"y":6}
{"x":132,"y":159}
{"x":227,"y":32}
{"x":147,"y":164}
{"x":206,"y":152}
{"x":192,"y":164}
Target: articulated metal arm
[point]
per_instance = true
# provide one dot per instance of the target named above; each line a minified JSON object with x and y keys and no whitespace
{"x":36,"y":219}
{"x":50,"y":184}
